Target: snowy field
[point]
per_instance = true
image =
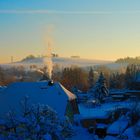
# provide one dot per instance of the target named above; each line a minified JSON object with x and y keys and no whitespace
{"x":67,"y":62}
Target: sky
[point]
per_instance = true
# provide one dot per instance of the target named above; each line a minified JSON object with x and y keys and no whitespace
{"x":92,"y":29}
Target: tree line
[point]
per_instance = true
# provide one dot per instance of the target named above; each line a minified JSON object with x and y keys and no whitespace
{"x":70,"y":77}
{"x":129,"y":60}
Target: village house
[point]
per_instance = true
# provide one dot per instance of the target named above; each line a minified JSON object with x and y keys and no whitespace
{"x":43,"y":92}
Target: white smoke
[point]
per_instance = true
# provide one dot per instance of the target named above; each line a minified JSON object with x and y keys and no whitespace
{"x":48,"y":57}
{"x":48,"y":64}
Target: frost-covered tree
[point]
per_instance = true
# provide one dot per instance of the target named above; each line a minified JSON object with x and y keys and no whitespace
{"x":75,"y":90}
{"x":112,"y":81}
{"x":36,"y":122}
{"x":117,"y":81}
{"x":131,"y":74}
{"x":2,"y":76}
{"x":74,"y":76}
{"x":91,"y":78}
{"x":100,"y":90}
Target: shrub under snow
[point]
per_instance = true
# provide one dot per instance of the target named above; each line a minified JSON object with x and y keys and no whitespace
{"x":37,"y":122}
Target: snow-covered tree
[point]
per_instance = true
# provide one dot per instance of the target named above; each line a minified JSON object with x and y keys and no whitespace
{"x":131,"y":74}
{"x":112,"y":81}
{"x":91,"y":78}
{"x":100,"y":91}
{"x":117,"y":81}
{"x":36,"y":122}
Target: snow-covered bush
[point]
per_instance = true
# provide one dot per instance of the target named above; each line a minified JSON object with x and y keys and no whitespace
{"x":133,"y":116}
{"x":36,"y":122}
{"x":67,"y":130}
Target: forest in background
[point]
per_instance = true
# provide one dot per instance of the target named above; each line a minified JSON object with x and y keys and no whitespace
{"x":129,"y":60}
{"x":74,"y":76}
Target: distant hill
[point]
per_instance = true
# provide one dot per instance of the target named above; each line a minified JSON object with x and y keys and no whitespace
{"x":66,"y":62}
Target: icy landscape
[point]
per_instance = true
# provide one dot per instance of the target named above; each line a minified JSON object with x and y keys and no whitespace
{"x":69,"y":70}
{"x":45,"y":110}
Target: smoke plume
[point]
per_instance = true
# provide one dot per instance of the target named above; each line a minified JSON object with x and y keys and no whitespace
{"x":48,"y":55}
{"x":48,"y":59}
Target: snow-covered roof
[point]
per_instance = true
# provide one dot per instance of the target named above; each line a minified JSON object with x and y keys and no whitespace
{"x":2,"y":88}
{"x":118,"y":126}
{"x":56,"y":96}
{"x":103,"y":111}
{"x":116,"y":91}
{"x":101,"y":125}
{"x":133,"y":91}
{"x":92,"y":113}
{"x":130,"y":133}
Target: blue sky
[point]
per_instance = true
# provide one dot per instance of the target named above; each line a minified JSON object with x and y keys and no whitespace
{"x":93,"y":29}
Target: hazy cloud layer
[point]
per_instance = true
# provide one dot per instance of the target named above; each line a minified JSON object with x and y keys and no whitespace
{"x":66,"y":12}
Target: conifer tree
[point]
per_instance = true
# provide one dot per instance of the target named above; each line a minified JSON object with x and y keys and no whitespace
{"x":100,"y":90}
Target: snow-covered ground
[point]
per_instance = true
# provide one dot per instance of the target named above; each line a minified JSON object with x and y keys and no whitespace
{"x":56,"y":96}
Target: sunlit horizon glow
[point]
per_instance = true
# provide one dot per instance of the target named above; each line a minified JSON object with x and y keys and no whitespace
{"x":93,"y":29}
